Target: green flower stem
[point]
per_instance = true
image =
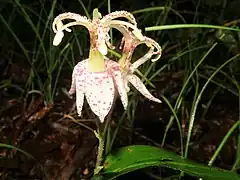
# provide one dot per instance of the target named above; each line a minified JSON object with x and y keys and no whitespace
{"x":98,"y":166}
{"x":103,"y":137}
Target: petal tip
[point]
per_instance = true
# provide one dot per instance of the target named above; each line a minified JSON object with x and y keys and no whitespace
{"x":101,"y":119}
{"x":158,"y":100}
{"x":152,"y":98}
{"x":71,"y":92}
{"x":70,"y":96}
{"x":58,"y":38}
{"x":125,"y":103}
{"x":154,"y":60}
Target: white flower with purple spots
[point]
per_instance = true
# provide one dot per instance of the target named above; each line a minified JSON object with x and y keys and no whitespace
{"x":131,"y":39}
{"x":97,"y":87}
{"x":98,"y":78}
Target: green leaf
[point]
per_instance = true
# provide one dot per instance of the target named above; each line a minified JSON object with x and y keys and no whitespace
{"x":180,"y":26}
{"x":135,"y":157}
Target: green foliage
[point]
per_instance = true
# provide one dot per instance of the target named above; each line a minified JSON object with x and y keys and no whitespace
{"x":180,"y":26}
{"x":135,"y":157}
{"x":46,"y":61}
{"x":119,"y":164}
{"x":207,"y":54}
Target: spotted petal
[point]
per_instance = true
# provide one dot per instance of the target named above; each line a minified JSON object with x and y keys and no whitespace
{"x":78,"y":85}
{"x":138,"y":84}
{"x":114,"y":69}
{"x":99,"y":91}
{"x":138,"y":34}
{"x":77,"y":72}
{"x":79,"y":97}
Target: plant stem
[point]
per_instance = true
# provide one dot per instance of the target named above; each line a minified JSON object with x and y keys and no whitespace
{"x":98,"y":166}
{"x":103,"y":138}
{"x":106,"y":134}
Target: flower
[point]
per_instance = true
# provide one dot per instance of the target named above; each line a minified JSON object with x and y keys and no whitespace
{"x":97,"y":78}
{"x":131,"y":40}
{"x":98,"y":27}
{"x":98,"y":87}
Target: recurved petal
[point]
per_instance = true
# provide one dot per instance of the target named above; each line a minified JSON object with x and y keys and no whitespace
{"x":99,"y":91}
{"x":142,"y":60}
{"x":138,"y":34}
{"x":60,"y":25}
{"x":151,"y":43}
{"x":58,"y":38}
{"x":119,"y":14}
{"x":68,"y":15}
{"x":138,"y":84}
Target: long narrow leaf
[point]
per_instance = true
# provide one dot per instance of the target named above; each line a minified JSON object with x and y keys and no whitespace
{"x":131,"y":158}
